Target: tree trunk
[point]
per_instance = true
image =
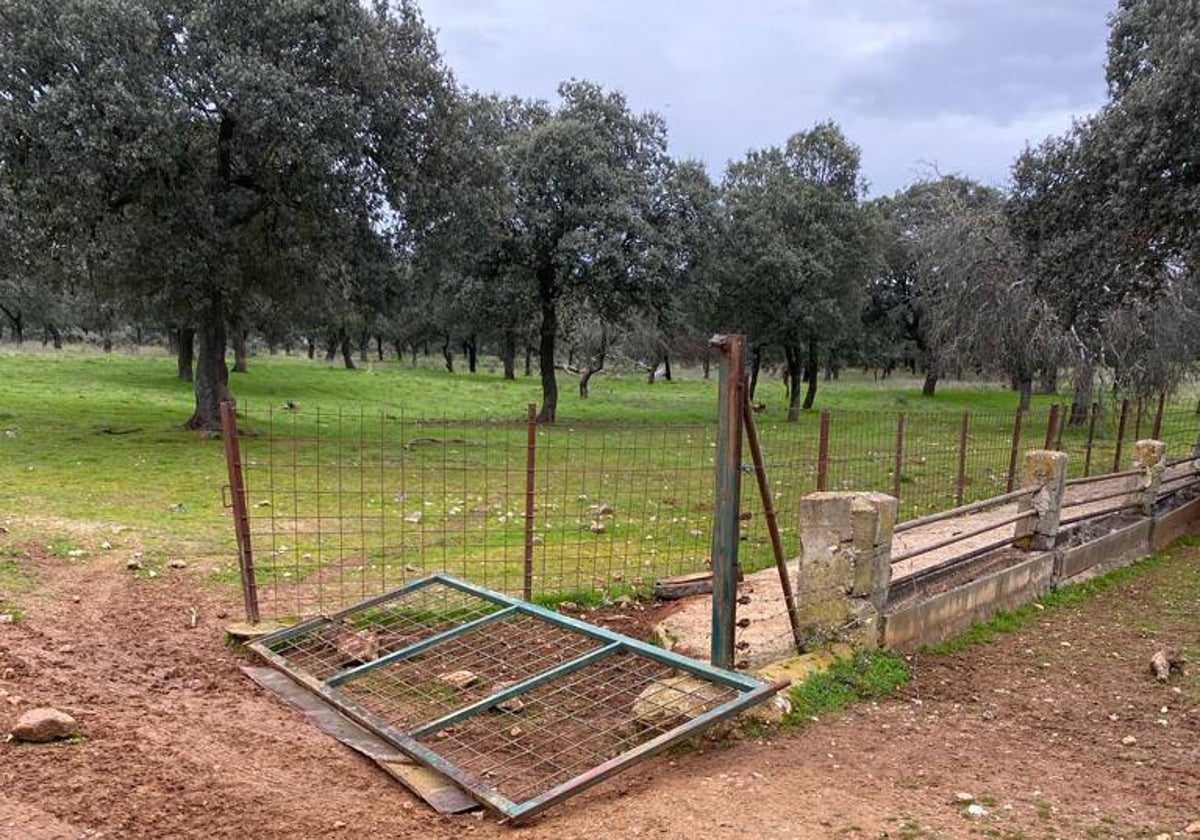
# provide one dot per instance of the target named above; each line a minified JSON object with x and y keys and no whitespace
{"x":508,"y":354}
{"x":106,"y":341}
{"x":528,"y":360}
{"x":472,"y":351}
{"x":1048,"y":383}
{"x":548,"y":335}
{"x":811,"y":372}
{"x":312,"y":349}
{"x":666,"y":360}
{"x":755,"y":367}
{"x":347,"y":351}
{"x":55,"y":336}
{"x":239,"y":350}
{"x":17,"y":319}
{"x":932,"y":371}
{"x":212,"y":376}
{"x":707,"y":362}
{"x":794,"y":371}
{"x":447,"y":355}
{"x":414,"y":354}
{"x":583,"y":383}
{"x":379,"y":347}
{"x":1085,"y":375}
{"x":185,"y":351}
{"x":331,"y":348}
{"x":929,"y":389}
{"x":1025,"y":388}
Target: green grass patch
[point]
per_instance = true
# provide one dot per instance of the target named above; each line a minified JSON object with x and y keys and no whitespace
{"x":349,"y":475}
{"x":17,"y":579}
{"x":866,"y":676}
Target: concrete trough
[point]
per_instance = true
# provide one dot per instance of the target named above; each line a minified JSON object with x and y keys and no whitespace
{"x":948,"y":614}
{"x":1183,"y":521}
{"x":1121,"y":547}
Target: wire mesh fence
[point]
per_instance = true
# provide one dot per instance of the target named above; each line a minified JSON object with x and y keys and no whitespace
{"x":344,"y":505}
{"x":517,"y":704}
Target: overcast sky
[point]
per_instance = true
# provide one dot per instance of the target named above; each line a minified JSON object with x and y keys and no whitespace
{"x":960,"y":84}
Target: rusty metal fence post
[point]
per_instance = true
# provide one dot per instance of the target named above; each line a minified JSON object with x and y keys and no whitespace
{"x":1121,"y":435}
{"x":823,"y":451}
{"x":726,"y":511}
{"x":241,"y":516}
{"x":960,"y":483}
{"x":530,"y":490}
{"x":1015,"y":453}
{"x":1091,"y":440}
{"x":896,"y":474}
{"x":1051,"y":426}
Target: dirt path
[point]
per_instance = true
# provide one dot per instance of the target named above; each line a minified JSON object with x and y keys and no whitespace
{"x":180,"y":744}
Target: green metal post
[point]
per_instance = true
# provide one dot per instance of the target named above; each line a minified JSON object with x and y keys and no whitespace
{"x":728,"y":496}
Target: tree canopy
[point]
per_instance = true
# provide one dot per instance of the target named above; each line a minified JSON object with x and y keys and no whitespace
{"x":309,"y":172}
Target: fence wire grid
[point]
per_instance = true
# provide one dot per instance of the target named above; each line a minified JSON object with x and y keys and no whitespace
{"x":344,"y":505}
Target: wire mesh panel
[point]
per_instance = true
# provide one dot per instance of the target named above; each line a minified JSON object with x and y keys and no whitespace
{"x":517,"y":704}
{"x":577,"y":722}
{"x":343,"y":506}
{"x":328,"y":646}
{"x":464,"y":669}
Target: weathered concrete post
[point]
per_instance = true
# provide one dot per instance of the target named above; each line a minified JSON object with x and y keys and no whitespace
{"x":1149,"y":456}
{"x":1046,"y":473}
{"x":845,"y":566}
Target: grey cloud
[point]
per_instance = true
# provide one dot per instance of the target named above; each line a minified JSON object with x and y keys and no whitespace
{"x":963,"y":83}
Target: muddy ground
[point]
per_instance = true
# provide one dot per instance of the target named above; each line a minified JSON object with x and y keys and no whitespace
{"x":178,"y":743}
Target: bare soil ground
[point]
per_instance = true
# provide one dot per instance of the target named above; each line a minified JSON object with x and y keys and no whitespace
{"x":179,"y":744}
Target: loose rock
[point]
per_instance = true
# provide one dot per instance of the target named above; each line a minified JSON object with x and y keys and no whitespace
{"x":512,"y":705}
{"x":40,"y":726}
{"x":459,"y":679}
{"x":178,"y":564}
{"x":669,"y":702}
{"x":356,"y":645}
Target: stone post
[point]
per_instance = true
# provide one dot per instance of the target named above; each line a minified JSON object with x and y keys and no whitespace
{"x":845,"y":565}
{"x":1046,"y":473}
{"x":1149,"y":456}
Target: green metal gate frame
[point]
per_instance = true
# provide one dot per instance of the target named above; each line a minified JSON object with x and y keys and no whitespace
{"x":747,"y":690}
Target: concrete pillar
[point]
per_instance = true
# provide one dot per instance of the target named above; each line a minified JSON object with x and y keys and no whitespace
{"x":1149,"y":456}
{"x":845,"y":565}
{"x":1046,"y":473}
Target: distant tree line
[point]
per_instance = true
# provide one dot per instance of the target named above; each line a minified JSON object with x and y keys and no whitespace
{"x":307,"y":173}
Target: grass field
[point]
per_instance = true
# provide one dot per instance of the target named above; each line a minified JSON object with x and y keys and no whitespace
{"x":355,"y":475}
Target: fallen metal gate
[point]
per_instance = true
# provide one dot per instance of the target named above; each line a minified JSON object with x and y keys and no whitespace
{"x":521,"y":706}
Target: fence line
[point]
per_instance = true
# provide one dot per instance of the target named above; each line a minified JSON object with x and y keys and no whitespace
{"x":343,"y":505}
